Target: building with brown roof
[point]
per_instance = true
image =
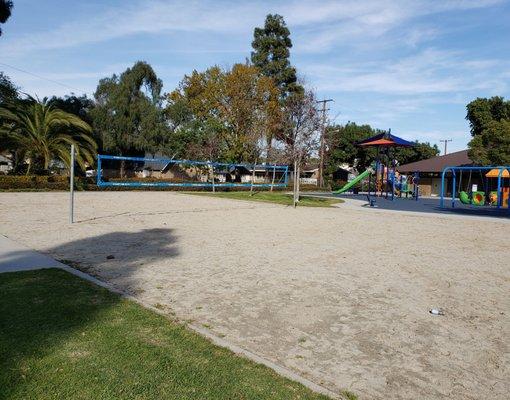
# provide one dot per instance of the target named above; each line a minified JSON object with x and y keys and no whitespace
{"x":430,"y":170}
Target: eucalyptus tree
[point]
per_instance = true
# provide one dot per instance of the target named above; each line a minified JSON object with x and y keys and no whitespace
{"x":128,"y":115}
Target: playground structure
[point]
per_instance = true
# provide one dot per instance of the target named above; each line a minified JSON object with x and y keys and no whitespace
{"x":120,"y":171}
{"x":388,"y":182}
{"x":491,"y":177}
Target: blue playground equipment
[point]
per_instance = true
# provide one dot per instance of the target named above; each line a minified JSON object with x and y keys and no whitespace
{"x":385,"y":172}
{"x":165,"y":164}
{"x":477,"y":198}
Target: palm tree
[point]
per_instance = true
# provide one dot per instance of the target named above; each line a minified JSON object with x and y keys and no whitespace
{"x":40,"y":133}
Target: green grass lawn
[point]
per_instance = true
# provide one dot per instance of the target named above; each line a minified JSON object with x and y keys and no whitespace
{"x":64,"y":338}
{"x":274,"y":197}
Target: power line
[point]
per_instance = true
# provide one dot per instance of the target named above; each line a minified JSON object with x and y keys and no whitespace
{"x":42,"y":77}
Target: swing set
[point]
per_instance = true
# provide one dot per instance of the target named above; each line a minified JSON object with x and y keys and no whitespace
{"x":490,"y":178}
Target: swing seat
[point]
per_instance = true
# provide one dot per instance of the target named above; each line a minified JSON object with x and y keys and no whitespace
{"x":478,"y":199}
{"x":493,"y":198}
{"x":464,"y":198}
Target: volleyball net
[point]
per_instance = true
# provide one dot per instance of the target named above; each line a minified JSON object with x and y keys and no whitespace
{"x":123,"y":171}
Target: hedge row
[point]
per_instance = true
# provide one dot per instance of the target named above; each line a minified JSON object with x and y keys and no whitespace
{"x":33,"y":182}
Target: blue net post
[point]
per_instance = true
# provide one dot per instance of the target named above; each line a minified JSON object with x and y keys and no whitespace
{"x":98,"y":173}
{"x":211,"y":166}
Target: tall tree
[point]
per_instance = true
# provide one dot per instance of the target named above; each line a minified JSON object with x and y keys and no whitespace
{"x":5,"y":11}
{"x":40,"y":133}
{"x":341,"y":146}
{"x":342,"y":149}
{"x":226,"y":113}
{"x":271,"y":52}
{"x":489,"y":120}
{"x":8,"y":90}
{"x":420,"y":151}
{"x":80,"y":106}
{"x":128,"y":114}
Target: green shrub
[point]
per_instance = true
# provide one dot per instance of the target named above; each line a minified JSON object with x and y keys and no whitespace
{"x":33,"y":182}
{"x":335,"y":185}
{"x":44,"y":182}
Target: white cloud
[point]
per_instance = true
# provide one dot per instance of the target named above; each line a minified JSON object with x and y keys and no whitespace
{"x":325,"y":24}
{"x":362,"y":22}
{"x":139,"y":18}
{"x":428,"y":71}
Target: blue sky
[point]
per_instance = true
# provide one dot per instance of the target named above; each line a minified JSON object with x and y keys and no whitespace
{"x":408,"y":65}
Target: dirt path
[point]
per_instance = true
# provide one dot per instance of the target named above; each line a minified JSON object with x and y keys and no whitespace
{"x":340,"y":295}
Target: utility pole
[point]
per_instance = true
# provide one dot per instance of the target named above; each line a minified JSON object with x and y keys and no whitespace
{"x":445,"y":145}
{"x":322,"y":149}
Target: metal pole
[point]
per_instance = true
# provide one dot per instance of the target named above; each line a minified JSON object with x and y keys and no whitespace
{"x":369,"y":183}
{"x":416,"y":186}
{"x":500,"y":193}
{"x":71,"y":187}
{"x":393,"y":180}
{"x":274,"y":173}
{"x":212,"y":176}
{"x":442,"y":188}
{"x":453,"y":187}
{"x":98,"y":172}
{"x":253,"y":177}
{"x":387,"y":170}
{"x":376,"y":174}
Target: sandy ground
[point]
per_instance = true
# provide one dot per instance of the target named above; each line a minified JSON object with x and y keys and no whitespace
{"x":340,"y":295}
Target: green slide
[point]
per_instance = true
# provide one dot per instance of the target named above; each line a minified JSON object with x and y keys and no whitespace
{"x":350,"y":184}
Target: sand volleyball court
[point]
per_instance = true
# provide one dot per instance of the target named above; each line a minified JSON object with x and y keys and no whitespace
{"x":340,"y":295}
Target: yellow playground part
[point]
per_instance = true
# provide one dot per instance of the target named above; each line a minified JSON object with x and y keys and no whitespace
{"x":505,"y":194}
{"x":494,"y":173}
{"x":505,"y":191}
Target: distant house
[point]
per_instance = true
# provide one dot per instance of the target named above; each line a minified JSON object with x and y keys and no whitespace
{"x":5,"y":164}
{"x":185,"y":171}
{"x":343,"y":173}
{"x":309,"y":174}
{"x":430,"y":172}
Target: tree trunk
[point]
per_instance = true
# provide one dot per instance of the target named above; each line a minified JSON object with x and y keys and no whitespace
{"x":253,"y":178}
{"x":298,"y":181}
{"x":295,"y":186}
{"x":272,"y":180}
{"x":29,"y":166}
{"x":211,"y":170}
